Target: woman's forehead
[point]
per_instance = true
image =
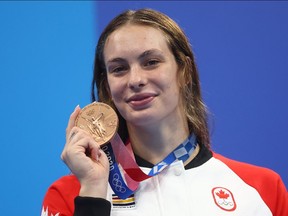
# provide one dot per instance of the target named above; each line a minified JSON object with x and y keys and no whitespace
{"x":133,"y":39}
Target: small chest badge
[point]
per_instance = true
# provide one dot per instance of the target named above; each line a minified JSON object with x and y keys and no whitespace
{"x":224,"y":199}
{"x":118,"y":203}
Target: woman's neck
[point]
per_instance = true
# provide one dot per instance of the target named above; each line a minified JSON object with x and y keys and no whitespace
{"x":154,"y":143}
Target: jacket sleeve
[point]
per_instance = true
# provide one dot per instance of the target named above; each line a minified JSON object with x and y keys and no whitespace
{"x":55,"y":204}
{"x":91,"y":206}
{"x":281,"y":202}
{"x":62,"y":199}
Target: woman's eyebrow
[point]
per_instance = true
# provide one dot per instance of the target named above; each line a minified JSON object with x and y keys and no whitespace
{"x":149,"y":52}
{"x":118,"y":59}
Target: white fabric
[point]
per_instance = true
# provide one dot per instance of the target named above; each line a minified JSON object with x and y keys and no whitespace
{"x":172,"y":192}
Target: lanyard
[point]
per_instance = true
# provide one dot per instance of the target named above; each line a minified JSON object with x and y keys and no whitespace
{"x":125,"y":185}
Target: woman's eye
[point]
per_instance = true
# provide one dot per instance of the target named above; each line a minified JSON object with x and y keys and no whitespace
{"x":152,"y":62}
{"x":117,"y":69}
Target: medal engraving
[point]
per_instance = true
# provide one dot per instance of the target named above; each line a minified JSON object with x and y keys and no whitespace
{"x":99,"y":120}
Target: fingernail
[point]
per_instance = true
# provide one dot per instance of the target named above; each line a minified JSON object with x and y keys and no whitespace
{"x":76,"y":107}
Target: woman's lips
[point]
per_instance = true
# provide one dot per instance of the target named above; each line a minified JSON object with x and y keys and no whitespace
{"x":139,"y":101}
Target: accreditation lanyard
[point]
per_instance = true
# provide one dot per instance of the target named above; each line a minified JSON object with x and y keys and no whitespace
{"x":120,"y":159}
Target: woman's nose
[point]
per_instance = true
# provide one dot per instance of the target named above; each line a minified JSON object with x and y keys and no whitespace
{"x":137,"y":78}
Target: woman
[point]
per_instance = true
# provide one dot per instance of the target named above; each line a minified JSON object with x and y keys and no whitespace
{"x":145,"y":70}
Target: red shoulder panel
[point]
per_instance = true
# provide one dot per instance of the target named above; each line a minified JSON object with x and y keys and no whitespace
{"x":267,"y":182}
{"x":60,"y":196}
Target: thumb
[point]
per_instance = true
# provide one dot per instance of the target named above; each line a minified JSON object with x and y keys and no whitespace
{"x":72,"y":119}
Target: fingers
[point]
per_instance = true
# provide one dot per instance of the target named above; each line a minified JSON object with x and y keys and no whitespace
{"x":71,"y":122}
{"x":79,"y":141}
{"x":83,"y":139}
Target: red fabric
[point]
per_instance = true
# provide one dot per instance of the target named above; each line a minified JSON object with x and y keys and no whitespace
{"x":60,"y":196}
{"x":268,"y":184}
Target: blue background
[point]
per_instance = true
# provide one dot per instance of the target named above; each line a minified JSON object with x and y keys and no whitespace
{"x":46,"y":62}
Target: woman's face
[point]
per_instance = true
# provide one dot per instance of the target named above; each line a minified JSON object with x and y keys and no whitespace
{"x":142,"y":76}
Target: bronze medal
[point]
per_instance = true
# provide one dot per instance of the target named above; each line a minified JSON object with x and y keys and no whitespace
{"x":99,"y":120}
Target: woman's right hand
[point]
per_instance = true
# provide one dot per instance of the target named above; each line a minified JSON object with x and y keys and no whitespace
{"x":86,"y":160}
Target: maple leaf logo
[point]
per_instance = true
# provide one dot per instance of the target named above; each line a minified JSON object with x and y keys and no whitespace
{"x":222,"y":195}
{"x":46,"y":212}
{"x":224,"y":198}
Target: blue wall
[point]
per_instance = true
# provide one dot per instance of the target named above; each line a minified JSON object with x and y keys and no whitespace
{"x":46,"y":60}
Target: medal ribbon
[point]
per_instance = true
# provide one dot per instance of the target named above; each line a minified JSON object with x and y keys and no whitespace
{"x":116,"y":151}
